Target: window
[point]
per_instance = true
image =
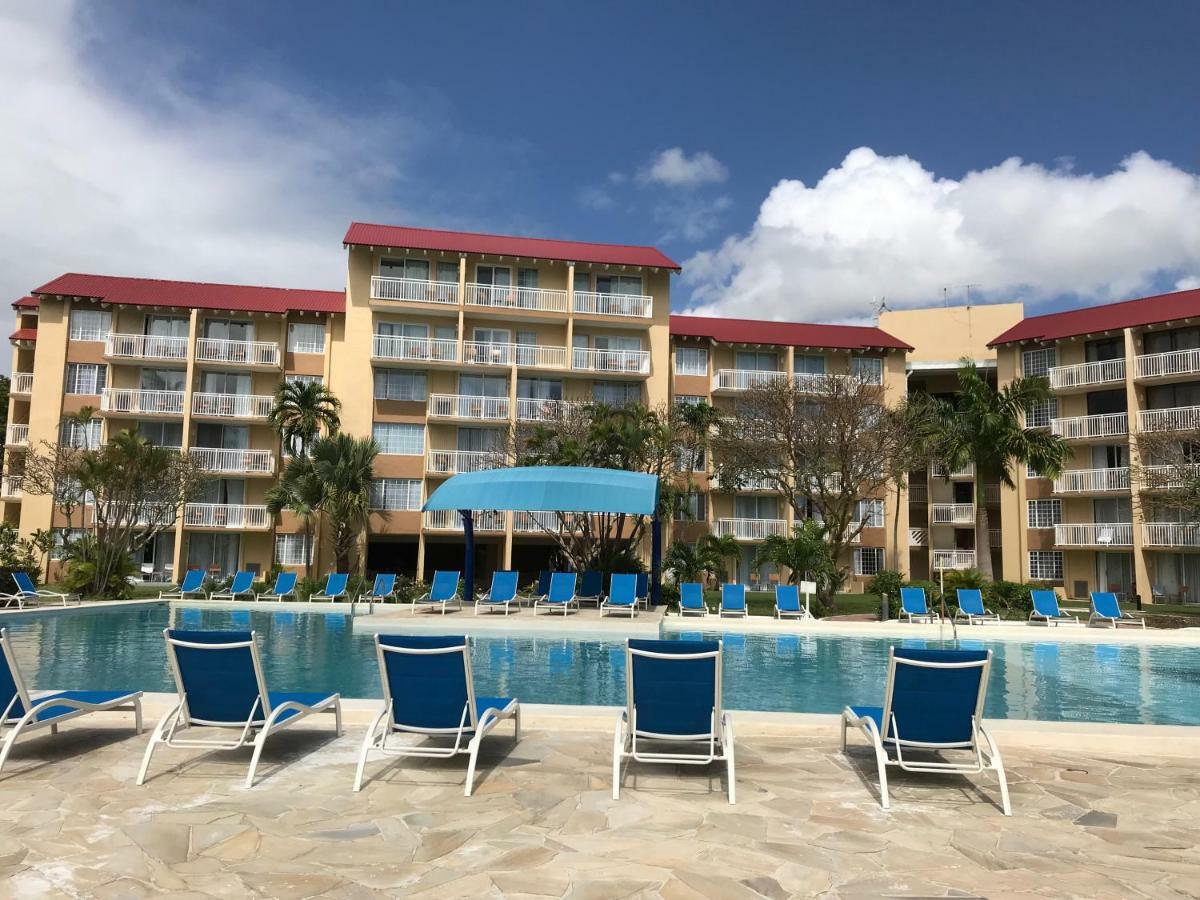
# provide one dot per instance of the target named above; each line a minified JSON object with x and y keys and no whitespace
{"x":500,"y":276}
{"x":86,"y":378}
{"x":162,"y":380}
{"x":691,"y":361}
{"x":1044,"y":513}
{"x":1031,"y":472}
{"x":808,"y":365}
{"x":690,"y":459}
{"x":868,"y":560}
{"x":751,"y":506}
{"x":1041,"y":412}
{"x":619,"y":284}
{"x":690,"y":507}
{"x":290,"y":550}
{"x":689,"y":399}
{"x":236,"y":383}
{"x":406,"y":268}
{"x":222,"y":436}
{"x":162,"y":434}
{"x":396,"y":493}
{"x":399,"y":439}
{"x":447,"y":272}
{"x":539,"y":389}
{"x":1038,"y":362}
{"x":870,"y":513}
{"x":527,"y":278}
{"x":85,"y":435}
{"x":304,"y":379}
{"x":756,"y":361}
{"x":868,"y":369}
{"x":1046,"y":565}
{"x":62,"y":537}
{"x":616,"y":393}
{"x":306,"y":337}
{"x":228,"y":330}
{"x":583,"y":281}
{"x":90,"y":324}
{"x":399,"y":385}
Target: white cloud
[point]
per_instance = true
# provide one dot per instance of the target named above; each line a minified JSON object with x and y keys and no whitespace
{"x":675,"y":168}
{"x":1190,"y":283}
{"x":689,"y":218}
{"x":886,"y":226}
{"x":253,"y":183}
{"x":594,"y":198}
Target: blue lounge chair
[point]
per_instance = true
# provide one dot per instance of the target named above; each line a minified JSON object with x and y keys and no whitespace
{"x":1047,"y":612}
{"x":913,"y":605}
{"x":787,"y":602}
{"x":561,"y":594}
{"x":383,"y":589}
{"x":335,"y":588}
{"x":591,"y":588}
{"x":622,"y":595}
{"x":29,"y":593}
{"x":643,"y":589}
{"x":1107,"y":611}
{"x":691,"y":599}
{"x":971,"y":608}
{"x":442,"y":592}
{"x":219,"y":679}
{"x":285,"y":588}
{"x":501,"y":595}
{"x":192,"y":585}
{"x":240,"y":589}
{"x":673,"y":696}
{"x":428,"y":690}
{"x":733,"y":600}
{"x":933,"y":702}
{"x":543,"y":585}
{"x":23,"y":713}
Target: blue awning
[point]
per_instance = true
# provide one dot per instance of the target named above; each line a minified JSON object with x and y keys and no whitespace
{"x":550,"y":488}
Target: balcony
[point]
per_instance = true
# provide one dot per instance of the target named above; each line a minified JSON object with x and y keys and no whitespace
{"x":918,"y":494}
{"x":749,"y":485}
{"x":751,"y":529}
{"x":22,"y":383}
{"x":991,"y":494}
{"x":261,"y":354}
{"x":530,"y":356}
{"x":952,"y":559}
{"x":462,"y":406}
{"x":611,"y":362}
{"x":239,"y":462}
{"x":1179,"y":418}
{"x":455,"y":462}
{"x":531,"y":409}
{"x":232,"y":406}
{"x":938,"y":470}
{"x":953,"y":513}
{"x":1171,"y":534}
{"x":1086,"y":376}
{"x":386,"y":346}
{"x":535,"y":522}
{"x":233,"y":517}
{"x":593,"y":303}
{"x":414,"y":290}
{"x":1177,"y":363}
{"x":1170,"y":477}
{"x":17,"y":436}
{"x":1091,"y":428}
{"x":810,"y":383}
{"x":145,"y":346}
{"x":122,"y":401}
{"x":1092,"y":481}
{"x":10,"y":487}
{"x":509,"y":297}
{"x":1094,"y":534}
{"x":745,"y":379}
{"x":451,"y":520}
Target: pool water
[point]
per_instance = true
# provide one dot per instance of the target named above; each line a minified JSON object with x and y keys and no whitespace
{"x":124,"y":648}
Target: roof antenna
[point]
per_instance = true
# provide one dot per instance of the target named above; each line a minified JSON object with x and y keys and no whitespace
{"x":880,"y":305}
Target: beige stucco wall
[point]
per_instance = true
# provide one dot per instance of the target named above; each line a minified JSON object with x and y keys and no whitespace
{"x":948,"y":333}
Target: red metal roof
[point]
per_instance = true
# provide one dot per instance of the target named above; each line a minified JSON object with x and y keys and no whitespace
{"x":400,"y":236}
{"x":790,"y":334}
{"x":24,"y":334}
{"x":193,"y":294}
{"x":26,"y":303}
{"x":1111,"y":316}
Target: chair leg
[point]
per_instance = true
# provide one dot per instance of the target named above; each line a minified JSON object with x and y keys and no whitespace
{"x":12,"y":739}
{"x":730,"y":774}
{"x":368,"y":741}
{"x":995,"y":761}
{"x":155,"y":740}
{"x":259,"y":743}
{"x":137,"y":715}
{"x":472,"y":758}
{"x":618,"y":747}
{"x":337,"y":717}
{"x":881,"y":762}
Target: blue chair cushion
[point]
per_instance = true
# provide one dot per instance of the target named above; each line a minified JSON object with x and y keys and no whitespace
{"x":96,"y":697}
{"x":870,"y":712}
{"x":427,"y":690}
{"x":674,"y":697}
{"x":482,"y":703}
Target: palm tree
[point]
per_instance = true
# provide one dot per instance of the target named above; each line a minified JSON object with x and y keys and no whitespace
{"x":300,"y":410}
{"x":805,"y":553}
{"x":721,"y":550}
{"x":698,"y":421}
{"x":688,"y":562}
{"x":345,"y":466}
{"x":985,"y":426}
{"x":301,"y":490}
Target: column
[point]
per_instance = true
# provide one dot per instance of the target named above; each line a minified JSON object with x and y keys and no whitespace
{"x":1141,"y":573}
{"x":193,"y":323}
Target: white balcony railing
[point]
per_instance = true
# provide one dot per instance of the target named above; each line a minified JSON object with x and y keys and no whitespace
{"x":952,"y":559}
{"x":991,"y":494}
{"x":751,"y":529}
{"x":22,"y":383}
{"x":938,"y":470}
{"x":145,"y":346}
{"x":451,"y":520}
{"x":918,"y":537}
{"x":745,"y":379}
{"x":242,"y":462}
{"x":145,"y":403}
{"x":1179,"y":418}
{"x":232,"y":406}
{"x":463,"y":406}
{"x":455,"y":462}
{"x":624,"y":362}
{"x":812,"y":383}
{"x":245,"y":353}
{"x":225,"y":515}
{"x":511,"y":297}
{"x":1105,"y":371}
{"x":953,"y":513}
{"x":533,"y":410}
{"x":1091,"y":427}
{"x":1169,"y":477}
{"x":1164,"y":365}
{"x":17,"y":436}
{"x":486,"y":353}
{"x":918,"y":493}
{"x":994,"y":536}
{"x":1171,"y":534}
{"x":597,"y":304}
{"x":1094,"y":534}
{"x":416,"y":290}
{"x":533,"y":356}
{"x":748,"y":484}
{"x":10,"y":487}
{"x":386,"y":346}
{"x":535,"y":522}
{"x":1092,"y":481}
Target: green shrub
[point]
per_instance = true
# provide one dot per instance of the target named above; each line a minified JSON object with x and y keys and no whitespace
{"x":84,"y":556}
{"x":963,"y":578}
{"x":1009,"y":596}
{"x":887,"y":582}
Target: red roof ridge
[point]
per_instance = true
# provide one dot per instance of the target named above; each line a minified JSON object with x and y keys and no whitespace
{"x":24,"y":334}
{"x":795,"y":334}
{"x":1081,"y":320}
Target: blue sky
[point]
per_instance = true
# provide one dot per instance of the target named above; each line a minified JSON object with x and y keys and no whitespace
{"x":235,"y":141}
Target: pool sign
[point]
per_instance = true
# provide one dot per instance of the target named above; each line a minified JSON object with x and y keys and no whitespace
{"x":808,"y":588}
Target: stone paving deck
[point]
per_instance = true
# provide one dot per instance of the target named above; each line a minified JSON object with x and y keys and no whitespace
{"x":1115,"y":820}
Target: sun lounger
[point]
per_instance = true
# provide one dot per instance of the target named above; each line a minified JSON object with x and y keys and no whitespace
{"x":442,"y":593}
{"x":383,"y":589}
{"x":971,"y":608}
{"x":787,"y":602}
{"x":501,"y":595}
{"x":622,"y":595}
{"x":335,"y":588}
{"x":1047,"y":612}
{"x":285,"y":588}
{"x":591,"y":588}
{"x":733,"y":600}
{"x":914,"y":606}
{"x":240,"y":589}
{"x":192,"y":585}
{"x":30,"y":593}
{"x":691,"y":599}
{"x":1107,"y":611}
{"x":561,"y":594}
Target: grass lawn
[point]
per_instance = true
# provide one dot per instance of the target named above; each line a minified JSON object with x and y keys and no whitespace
{"x":762,"y":603}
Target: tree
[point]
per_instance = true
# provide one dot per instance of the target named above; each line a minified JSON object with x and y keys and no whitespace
{"x":43,"y":541}
{"x":696,"y":424}
{"x":346,"y":468}
{"x":1165,"y":475}
{"x":707,"y":556}
{"x":805,"y":553}
{"x":918,"y":417}
{"x":300,"y":411}
{"x":722,"y":548}
{"x":300,"y":490}
{"x":984,"y":426}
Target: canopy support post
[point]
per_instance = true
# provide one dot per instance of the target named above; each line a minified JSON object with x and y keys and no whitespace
{"x":468,"y":555}
{"x":655,"y":561}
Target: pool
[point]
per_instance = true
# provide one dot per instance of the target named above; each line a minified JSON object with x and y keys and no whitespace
{"x":1068,"y":682}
